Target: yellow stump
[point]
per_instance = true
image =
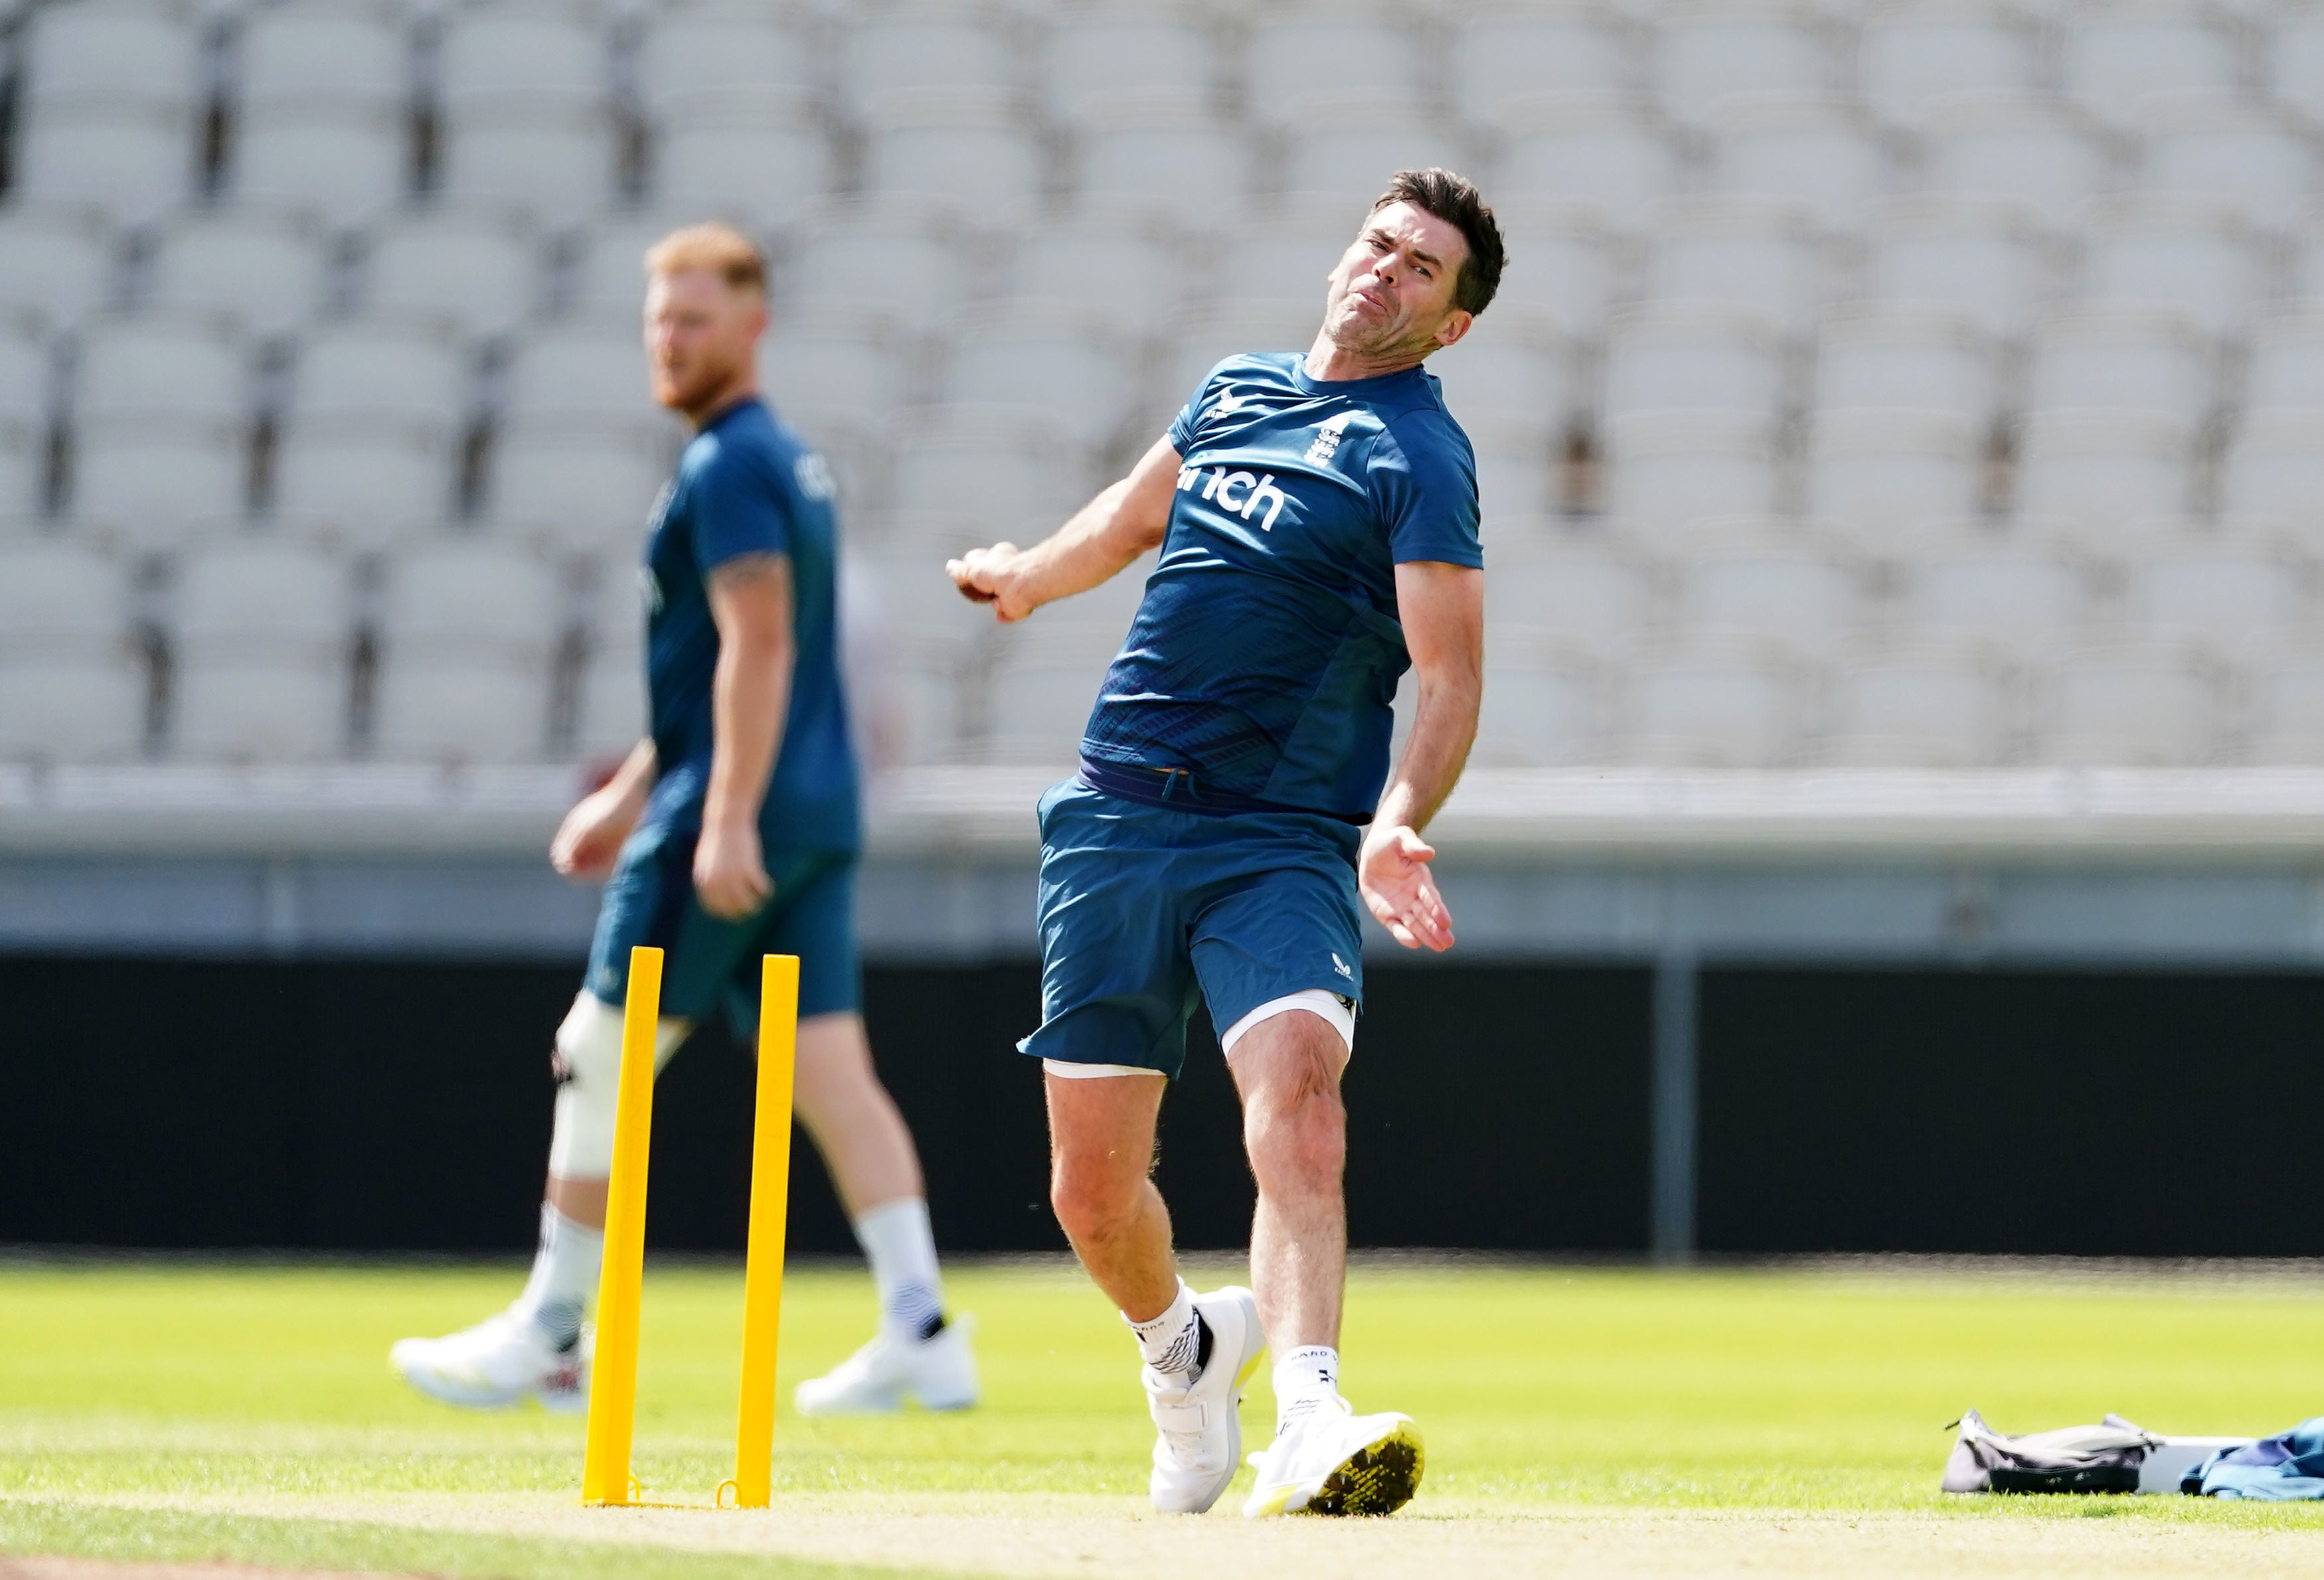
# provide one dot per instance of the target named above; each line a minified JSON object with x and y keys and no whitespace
{"x":614,"y":1386}
{"x":762,"y":1266}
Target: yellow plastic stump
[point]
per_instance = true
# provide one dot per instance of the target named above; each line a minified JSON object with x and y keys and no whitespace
{"x":762,"y":1266}
{"x":614,"y":1386}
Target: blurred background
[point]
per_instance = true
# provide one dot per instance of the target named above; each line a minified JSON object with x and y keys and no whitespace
{"x":1898,"y":818}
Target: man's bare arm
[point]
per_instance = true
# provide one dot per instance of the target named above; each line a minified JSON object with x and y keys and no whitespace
{"x":1442,"y":610}
{"x":1103,"y":536}
{"x":751,"y":603}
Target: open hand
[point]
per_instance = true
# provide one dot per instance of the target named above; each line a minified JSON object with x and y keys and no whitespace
{"x":590,"y":838}
{"x":1392,"y":875}
{"x":730,"y":871}
{"x":983,"y":576}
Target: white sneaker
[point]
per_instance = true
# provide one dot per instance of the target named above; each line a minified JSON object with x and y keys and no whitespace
{"x":935,"y":1373}
{"x":501,"y":1361}
{"x":1337,"y":1462}
{"x":1198,"y":1442}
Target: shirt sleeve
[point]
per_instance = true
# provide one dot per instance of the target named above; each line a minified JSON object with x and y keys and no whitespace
{"x":1182,"y":432}
{"x":1425,"y":478}
{"x":737,"y":509}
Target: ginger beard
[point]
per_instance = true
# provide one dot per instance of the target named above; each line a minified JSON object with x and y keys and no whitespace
{"x":700,"y":333}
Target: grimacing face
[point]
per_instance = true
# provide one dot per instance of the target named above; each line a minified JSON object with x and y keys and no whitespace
{"x":1391,"y":292}
{"x":700,"y":332}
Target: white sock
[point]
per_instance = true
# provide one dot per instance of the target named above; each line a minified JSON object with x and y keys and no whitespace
{"x":1172,"y":1343}
{"x":564,"y":1276}
{"x":902,"y":1250}
{"x":1306,"y":1380}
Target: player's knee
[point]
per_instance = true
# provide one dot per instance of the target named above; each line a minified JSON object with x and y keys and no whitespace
{"x":1091,"y":1193}
{"x":588,"y":1065}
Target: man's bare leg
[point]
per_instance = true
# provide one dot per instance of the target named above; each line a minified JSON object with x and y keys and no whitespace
{"x":1295,"y":1131}
{"x":863,"y":1140}
{"x":1100,"y":1157}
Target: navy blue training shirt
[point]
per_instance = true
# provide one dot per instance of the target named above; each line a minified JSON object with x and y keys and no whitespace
{"x":1264,"y":656}
{"x":747,"y":484}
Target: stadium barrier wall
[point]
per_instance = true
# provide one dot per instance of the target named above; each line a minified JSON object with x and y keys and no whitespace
{"x":368,"y":1106}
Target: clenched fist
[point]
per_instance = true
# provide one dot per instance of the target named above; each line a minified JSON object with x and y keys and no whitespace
{"x":987,"y":575}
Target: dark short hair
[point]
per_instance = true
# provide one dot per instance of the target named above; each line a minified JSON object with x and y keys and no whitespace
{"x":1458,"y":203}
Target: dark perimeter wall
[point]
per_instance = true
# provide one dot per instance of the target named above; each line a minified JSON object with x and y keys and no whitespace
{"x":405,"y":1106}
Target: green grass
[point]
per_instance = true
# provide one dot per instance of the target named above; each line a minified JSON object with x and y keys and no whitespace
{"x":1810,"y":1390}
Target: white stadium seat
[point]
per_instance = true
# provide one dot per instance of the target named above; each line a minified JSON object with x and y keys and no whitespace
{"x":603,"y":280}
{"x":154,"y":476}
{"x":119,"y":50}
{"x":268,"y":272}
{"x":1006,"y":477}
{"x":478,"y":268}
{"x":1780,"y":593}
{"x":1287,"y":259}
{"x":1592,"y":594}
{"x":754,"y":156}
{"x":910,"y":50}
{"x":1692,"y":359}
{"x":956,"y":150}
{"x":2294,"y":59}
{"x":1976,"y":258}
{"x":1038,"y":701}
{"x":1342,"y":149}
{"x":1878,"y":472}
{"x":2124,"y":360}
{"x":1307,"y":58}
{"x":510,"y":49}
{"x":434,"y":707}
{"x":590,"y":372}
{"x":611,"y":717}
{"x":1664,"y":470}
{"x":1820,"y":153}
{"x":350,"y":163}
{"x":719,"y":47}
{"x":1164,"y":155}
{"x":917,"y":602}
{"x":1042,"y":365}
{"x":70,"y":707}
{"x":2024,"y":149}
{"x":1920,"y":707}
{"x":56,"y":262}
{"x":381,"y":367}
{"x":2101,"y":469}
{"x":1111,"y":264}
{"x":2135,"y":708}
{"x":2286,"y":704}
{"x":1916,"y":50}
{"x":320,"y":52}
{"x":24,"y":467}
{"x":825,"y":374}
{"x":1097,"y":57}
{"x":2194,"y":260}
{"x":1518,"y":373}
{"x":884,"y":265}
{"x":583,"y":483}
{"x":178,"y":364}
{"x":258,"y":707}
{"x":2222,"y":151}
{"x":1736,"y":253}
{"x":27,"y":376}
{"x":1963,"y":590}
{"x":1559,"y":262}
{"x":253,"y":593}
{"x":1597,"y":149}
{"x":56,"y":595}
{"x":2274,"y":471}
{"x":1706,"y":54}
{"x":133,"y":162}
{"x":2221,"y":593}
{"x":1513,"y":459}
{"x":1539,"y":711}
{"x":467,"y":595}
{"x":550,"y":160}
{"x":1713,"y":707}
{"x":373,"y":478}
{"x":2115,"y":56}
{"x":1889,"y":359}
{"x":1506,"y":52}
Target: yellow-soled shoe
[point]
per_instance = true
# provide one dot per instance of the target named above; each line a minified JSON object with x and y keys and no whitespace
{"x":1336,"y":1461}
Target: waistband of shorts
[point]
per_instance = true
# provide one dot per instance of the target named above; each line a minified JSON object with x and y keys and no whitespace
{"x":1177,"y":790}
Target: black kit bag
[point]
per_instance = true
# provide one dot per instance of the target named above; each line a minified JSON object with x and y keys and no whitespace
{"x":2104,"y":1458}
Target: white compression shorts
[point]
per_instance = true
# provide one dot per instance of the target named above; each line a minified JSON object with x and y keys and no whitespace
{"x":1337,"y":1011}
{"x":589,"y":1077}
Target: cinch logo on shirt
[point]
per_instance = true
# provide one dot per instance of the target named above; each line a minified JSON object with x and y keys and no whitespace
{"x":1228,"y":488}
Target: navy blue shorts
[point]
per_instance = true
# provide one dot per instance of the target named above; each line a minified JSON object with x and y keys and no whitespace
{"x":1140,"y":905}
{"x":710,"y":962}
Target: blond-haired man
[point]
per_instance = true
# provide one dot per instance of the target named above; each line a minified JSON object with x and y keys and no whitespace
{"x":730,"y":832}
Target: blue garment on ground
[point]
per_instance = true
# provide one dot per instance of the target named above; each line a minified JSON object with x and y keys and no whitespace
{"x":1139,"y":904}
{"x":748,"y":484}
{"x":1265,"y":654}
{"x":2285,"y":1468}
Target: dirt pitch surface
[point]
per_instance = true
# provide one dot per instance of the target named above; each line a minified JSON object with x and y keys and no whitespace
{"x":1058,"y":1536}
{"x":99,"y":1569}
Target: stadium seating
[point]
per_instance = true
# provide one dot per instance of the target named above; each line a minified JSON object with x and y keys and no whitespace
{"x":1934,"y":383}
